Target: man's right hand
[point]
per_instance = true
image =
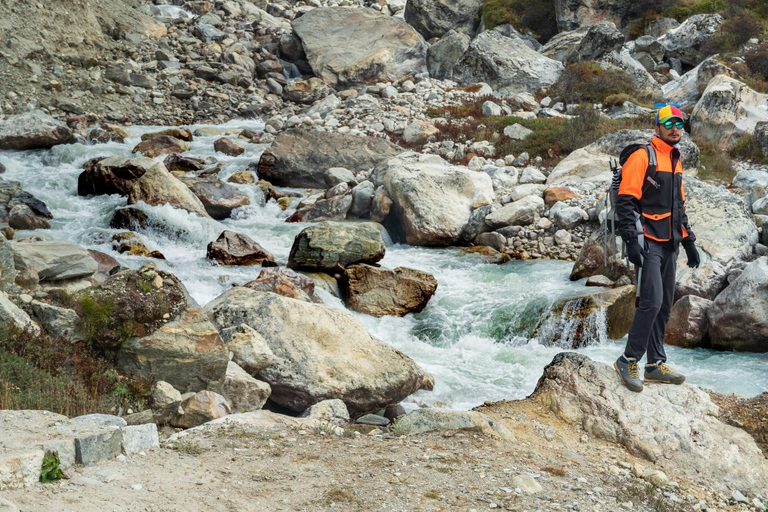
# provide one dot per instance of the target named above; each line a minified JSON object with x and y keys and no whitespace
{"x":635,"y":253}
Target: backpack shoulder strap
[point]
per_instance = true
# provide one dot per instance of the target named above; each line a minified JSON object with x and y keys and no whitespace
{"x":650,"y":172}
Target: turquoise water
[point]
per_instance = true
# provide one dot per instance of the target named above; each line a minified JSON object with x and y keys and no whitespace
{"x":475,"y":336}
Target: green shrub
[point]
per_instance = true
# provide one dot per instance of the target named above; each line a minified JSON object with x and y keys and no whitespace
{"x":587,"y":82}
{"x":748,"y":149}
{"x":95,"y":316}
{"x":734,"y":33}
{"x":757,"y":60}
{"x":536,"y":16}
{"x":716,"y":164}
{"x":51,"y":471}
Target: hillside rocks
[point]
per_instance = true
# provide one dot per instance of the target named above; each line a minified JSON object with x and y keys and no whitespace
{"x":727,"y":111}
{"x":329,"y":245}
{"x":687,"y":326}
{"x":33,"y":130}
{"x":237,"y":249}
{"x":379,"y":291}
{"x":321,"y":352}
{"x":443,"y":55}
{"x":692,"y":444}
{"x":300,"y":158}
{"x":348,"y":45}
{"x":687,"y":41}
{"x":598,"y":40}
{"x":572,"y":15}
{"x":432,"y":199}
{"x":433,"y":18}
{"x":243,"y":392}
{"x":738,"y":318}
{"x":506,"y":64}
{"x":14,"y":318}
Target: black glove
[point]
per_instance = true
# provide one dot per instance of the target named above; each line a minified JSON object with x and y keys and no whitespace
{"x":635,"y":253}
{"x":694,"y":260}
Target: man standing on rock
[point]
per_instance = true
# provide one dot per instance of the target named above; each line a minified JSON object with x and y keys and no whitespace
{"x":651,"y":199}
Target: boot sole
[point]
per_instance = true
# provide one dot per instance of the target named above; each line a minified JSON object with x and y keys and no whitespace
{"x":628,"y":385}
{"x":661,"y":381}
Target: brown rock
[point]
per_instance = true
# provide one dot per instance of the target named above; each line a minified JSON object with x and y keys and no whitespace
{"x":591,"y":260}
{"x":599,"y":280}
{"x":236,"y":249}
{"x":200,"y":408}
{"x":161,"y":145}
{"x":284,"y":281}
{"x":688,"y":324}
{"x":112,"y":175}
{"x":242,"y":178}
{"x":746,"y":413}
{"x":490,"y":254}
{"x":306,"y":91}
{"x":378,"y":291}
{"x":218,"y":198}
{"x":179,"y":133}
{"x":107,"y":265}
{"x":128,"y":242}
{"x":226,"y":146}
{"x":555,"y":194}
{"x":183,"y":164}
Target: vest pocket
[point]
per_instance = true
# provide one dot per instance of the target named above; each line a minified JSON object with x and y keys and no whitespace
{"x":656,"y":226}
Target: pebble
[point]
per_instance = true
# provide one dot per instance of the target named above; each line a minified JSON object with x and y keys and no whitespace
{"x":137,"y":487}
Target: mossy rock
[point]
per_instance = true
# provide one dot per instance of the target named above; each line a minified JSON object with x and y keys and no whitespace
{"x":129,"y":304}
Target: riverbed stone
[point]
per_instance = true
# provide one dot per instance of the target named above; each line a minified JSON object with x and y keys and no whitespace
{"x":237,"y":249}
{"x":522,"y":212}
{"x":432,"y":199}
{"x":20,"y":209}
{"x":284,"y":281}
{"x":218,"y":197}
{"x":329,"y":246}
{"x":378,"y":291}
{"x":160,"y":145}
{"x":300,"y":158}
{"x":688,"y":322}
{"x":112,"y":175}
{"x":53,"y":260}
{"x":321,"y":352}
{"x":157,"y":187}
{"x":228,"y":147}
{"x":738,"y":318}
{"x":33,"y":130}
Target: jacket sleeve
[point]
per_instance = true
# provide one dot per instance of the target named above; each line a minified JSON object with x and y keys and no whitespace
{"x":630,"y":192}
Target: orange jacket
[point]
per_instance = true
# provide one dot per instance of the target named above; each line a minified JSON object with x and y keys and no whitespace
{"x":660,"y":201}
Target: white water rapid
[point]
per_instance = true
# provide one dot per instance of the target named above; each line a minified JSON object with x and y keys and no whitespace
{"x":474,"y":336}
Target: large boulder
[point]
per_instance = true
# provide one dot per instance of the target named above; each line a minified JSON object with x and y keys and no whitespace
{"x":242,"y":391}
{"x":218,"y":198}
{"x":33,"y":130}
{"x":443,"y":55}
{"x":727,"y":111}
{"x":202,"y":407}
{"x":379,"y":291}
{"x":54,"y":260}
{"x":329,"y":246}
{"x":686,"y":90}
{"x":186,"y":352}
{"x":506,"y":64}
{"x":643,"y":81}
{"x":20,"y":209}
{"x":300,"y":158}
{"x":131,"y":303}
{"x":160,"y":145}
{"x":725,"y":235}
{"x":113,"y":175}
{"x":321,"y":352}
{"x":592,"y":163}
{"x":691,"y":443}
{"x":432,"y":199}
{"x":687,"y":326}
{"x":434,"y":18}
{"x":157,"y":186}
{"x":688,"y":41}
{"x":237,"y":249}
{"x":354,"y":45}
{"x":562,"y":45}
{"x":738,"y":319}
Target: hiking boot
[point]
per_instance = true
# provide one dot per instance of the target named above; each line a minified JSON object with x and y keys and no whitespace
{"x":629,"y":372}
{"x":662,"y":372}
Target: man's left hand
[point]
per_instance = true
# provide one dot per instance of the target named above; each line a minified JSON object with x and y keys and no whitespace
{"x":694,"y":260}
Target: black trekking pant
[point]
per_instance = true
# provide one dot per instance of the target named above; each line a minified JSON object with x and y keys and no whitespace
{"x":657,"y":293}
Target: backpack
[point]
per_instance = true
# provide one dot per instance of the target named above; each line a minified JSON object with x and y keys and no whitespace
{"x":613,"y":196}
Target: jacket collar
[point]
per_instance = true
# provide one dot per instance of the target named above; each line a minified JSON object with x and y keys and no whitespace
{"x":662,"y":146}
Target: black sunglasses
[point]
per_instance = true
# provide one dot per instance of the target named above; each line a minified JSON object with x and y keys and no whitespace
{"x":669,"y":124}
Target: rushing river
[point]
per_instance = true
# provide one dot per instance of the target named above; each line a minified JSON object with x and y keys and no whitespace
{"x":475,"y":336}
